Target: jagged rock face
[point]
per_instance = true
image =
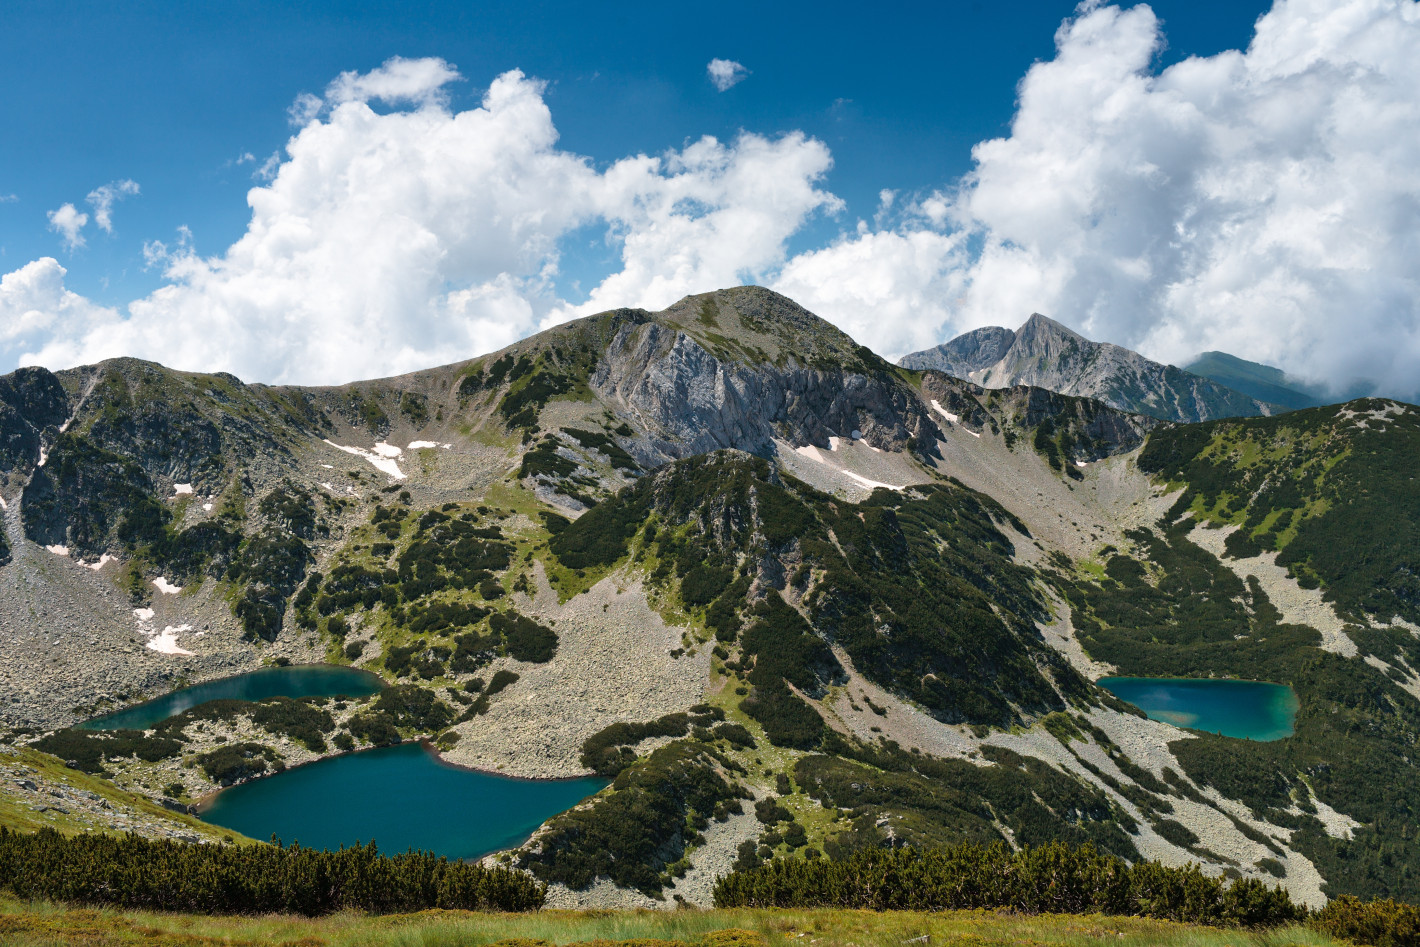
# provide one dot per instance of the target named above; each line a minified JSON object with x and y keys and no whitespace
{"x":1096,"y":430}
{"x":1045,"y":354}
{"x":32,"y":401}
{"x":186,"y":428}
{"x":690,"y":402}
{"x":970,"y":352}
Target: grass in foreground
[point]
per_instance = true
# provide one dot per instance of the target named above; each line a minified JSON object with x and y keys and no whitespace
{"x":32,"y":924}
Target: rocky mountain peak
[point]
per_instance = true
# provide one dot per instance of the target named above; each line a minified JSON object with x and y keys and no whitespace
{"x":1040,"y":329}
{"x":1046,"y":354}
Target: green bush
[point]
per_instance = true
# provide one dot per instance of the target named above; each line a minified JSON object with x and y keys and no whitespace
{"x":636,"y":832}
{"x":1385,"y":923}
{"x":300,"y":720}
{"x":607,"y":752}
{"x":236,"y":761}
{"x":137,"y":873}
{"x":501,"y":679}
{"x":1049,"y":879}
{"x":525,"y":638}
{"x":787,"y":718}
{"x":703,"y":584}
{"x":87,"y":749}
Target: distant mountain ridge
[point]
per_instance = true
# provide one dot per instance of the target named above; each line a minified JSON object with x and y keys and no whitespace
{"x":1260,"y":381}
{"x":1045,"y":354}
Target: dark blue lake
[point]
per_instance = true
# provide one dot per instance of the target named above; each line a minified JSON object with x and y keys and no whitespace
{"x":1254,"y":710}
{"x":301,"y":680}
{"x":401,"y":797}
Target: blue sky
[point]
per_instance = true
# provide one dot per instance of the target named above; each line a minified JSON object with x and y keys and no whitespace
{"x":1173,"y":177}
{"x":171,"y":95}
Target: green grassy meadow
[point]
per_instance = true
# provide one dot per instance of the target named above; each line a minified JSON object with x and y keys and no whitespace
{"x":34,"y":924}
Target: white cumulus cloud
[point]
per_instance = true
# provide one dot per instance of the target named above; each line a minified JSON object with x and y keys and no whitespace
{"x":68,"y":222}
{"x":725,"y":73}
{"x":33,"y":302}
{"x":103,"y":198}
{"x":390,"y":242}
{"x":1265,"y":202}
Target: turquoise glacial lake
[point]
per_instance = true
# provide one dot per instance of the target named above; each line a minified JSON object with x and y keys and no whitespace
{"x":300,"y":680}
{"x":401,"y":797}
{"x":1253,"y":710}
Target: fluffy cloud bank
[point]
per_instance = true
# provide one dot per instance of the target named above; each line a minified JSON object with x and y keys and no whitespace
{"x":1264,"y":202}
{"x":392,"y":242}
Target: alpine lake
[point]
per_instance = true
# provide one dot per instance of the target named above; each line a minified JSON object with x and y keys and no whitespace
{"x":1249,"y":710}
{"x":401,"y":797}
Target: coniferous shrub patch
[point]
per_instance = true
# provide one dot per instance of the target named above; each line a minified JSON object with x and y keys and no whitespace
{"x":1382,"y":923}
{"x":544,"y":460}
{"x":413,"y":707}
{"x":291,"y":508}
{"x":526,"y":639}
{"x":377,"y":729}
{"x":520,"y":406}
{"x":444,"y":617}
{"x":602,"y":442}
{"x":237,"y":761}
{"x":500,"y":681}
{"x":735,"y":735}
{"x":1049,"y":879}
{"x":635,"y":832}
{"x":87,"y":749}
{"x":299,"y":719}
{"x":787,"y":718}
{"x":607,"y":752}
{"x":472,"y":652}
{"x":703,"y":583}
{"x":133,"y":872}
{"x":271,"y":566}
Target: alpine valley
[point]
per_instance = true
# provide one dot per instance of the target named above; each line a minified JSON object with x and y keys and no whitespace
{"x":783,"y":595}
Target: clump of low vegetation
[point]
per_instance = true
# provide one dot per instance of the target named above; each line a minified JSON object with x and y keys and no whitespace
{"x":638,"y":833}
{"x":608,"y":751}
{"x":1048,"y":879}
{"x":134,"y":872}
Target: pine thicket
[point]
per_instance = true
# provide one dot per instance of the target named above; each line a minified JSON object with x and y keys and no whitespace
{"x":134,"y":872}
{"x":1048,"y":879}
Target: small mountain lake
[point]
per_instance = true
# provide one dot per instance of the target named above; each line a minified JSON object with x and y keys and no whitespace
{"x":401,"y":797}
{"x":300,"y":680}
{"x":1253,"y":710}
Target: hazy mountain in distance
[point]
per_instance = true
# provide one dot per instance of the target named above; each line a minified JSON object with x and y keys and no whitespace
{"x":1046,"y":354}
{"x":1260,"y":381}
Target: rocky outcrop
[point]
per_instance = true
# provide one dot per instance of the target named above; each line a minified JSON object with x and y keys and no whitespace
{"x":969,"y":352}
{"x":1045,"y":354}
{"x":1095,"y":429}
{"x":32,"y":401}
{"x":688,"y":401}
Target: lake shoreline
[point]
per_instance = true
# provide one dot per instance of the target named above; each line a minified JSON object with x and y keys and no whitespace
{"x":403,"y":794}
{"x":1263,"y":711}
{"x":372,"y":683}
{"x":204,"y":801}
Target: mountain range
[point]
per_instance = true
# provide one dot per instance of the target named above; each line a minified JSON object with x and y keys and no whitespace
{"x":786,"y":595}
{"x":1043,"y":353}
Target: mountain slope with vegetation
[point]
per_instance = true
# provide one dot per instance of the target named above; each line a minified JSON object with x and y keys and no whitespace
{"x":788,"y":598}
